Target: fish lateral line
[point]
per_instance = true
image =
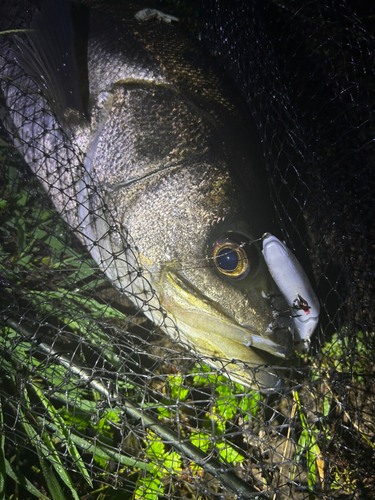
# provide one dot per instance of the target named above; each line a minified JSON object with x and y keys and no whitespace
{"x":134,"y":180}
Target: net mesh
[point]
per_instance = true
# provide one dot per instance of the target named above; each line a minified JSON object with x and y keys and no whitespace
{"x":96,"y":400}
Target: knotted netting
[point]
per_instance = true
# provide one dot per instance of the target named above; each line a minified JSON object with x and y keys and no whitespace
{"x":96,"y":400}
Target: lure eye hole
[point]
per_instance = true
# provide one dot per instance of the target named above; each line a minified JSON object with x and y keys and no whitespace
{"x":230,"y":258}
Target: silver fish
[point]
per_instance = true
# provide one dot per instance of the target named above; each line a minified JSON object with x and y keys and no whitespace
{"x":152,"y":159}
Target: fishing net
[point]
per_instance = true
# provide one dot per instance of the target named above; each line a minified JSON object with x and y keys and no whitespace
{"x":97,"y":402}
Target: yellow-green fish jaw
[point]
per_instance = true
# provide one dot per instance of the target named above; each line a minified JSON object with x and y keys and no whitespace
{"x":211,"y":333}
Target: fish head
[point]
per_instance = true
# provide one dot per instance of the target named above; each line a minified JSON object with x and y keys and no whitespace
{"x":197,"y":232}
{"x":227,"y":306}
{"x":207,"y":268}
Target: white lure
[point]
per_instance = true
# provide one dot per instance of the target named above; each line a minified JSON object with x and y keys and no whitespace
{"x":294,"y":285}
{"x":147,"y":14}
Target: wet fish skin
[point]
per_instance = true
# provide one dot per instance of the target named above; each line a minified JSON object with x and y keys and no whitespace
{"x":153,"y":178}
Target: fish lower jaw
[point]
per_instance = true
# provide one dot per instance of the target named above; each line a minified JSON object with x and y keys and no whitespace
{"x":239,"y":362}
{"x":225,"y":346}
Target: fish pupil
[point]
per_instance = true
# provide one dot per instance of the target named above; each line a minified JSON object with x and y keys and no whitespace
{"x":227,"y":259}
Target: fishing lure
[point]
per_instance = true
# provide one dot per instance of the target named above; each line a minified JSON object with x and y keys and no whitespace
{"x":294,"y":285}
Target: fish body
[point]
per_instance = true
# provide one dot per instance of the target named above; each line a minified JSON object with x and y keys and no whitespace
{"x":156,"y":166}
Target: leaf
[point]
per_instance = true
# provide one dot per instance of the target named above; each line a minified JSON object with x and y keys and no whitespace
{"x":148,"y":489}
{"x":172,"y":462}
{"x":23,"y":481}
{"x":2,"y":457}
{"x":54,"y":459}
{"x":200,"y":440}
{"x":102,"y":454}
{"x":53,"y":485}
{"x":164,"y":412}
{"x":176,"y":386}
{"x":156,"y":449}
{"x":226,"y":407}
{"x":46,"y":449}
{"x":308,"y":442}
{"x":60,"y":424}
{"x":326,"y":406}
{"x":229,"y":453}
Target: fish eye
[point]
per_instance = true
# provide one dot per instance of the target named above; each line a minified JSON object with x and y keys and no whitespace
{"x":227,"y":259}
{"x":232,"y":256}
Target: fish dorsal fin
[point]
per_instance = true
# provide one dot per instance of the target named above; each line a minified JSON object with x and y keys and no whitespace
{"x":50,"y":58}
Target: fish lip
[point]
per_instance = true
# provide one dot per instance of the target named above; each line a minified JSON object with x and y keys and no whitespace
{"x":204,"y":317}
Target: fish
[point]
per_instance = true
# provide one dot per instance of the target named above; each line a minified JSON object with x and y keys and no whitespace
{"x":148,"y":153}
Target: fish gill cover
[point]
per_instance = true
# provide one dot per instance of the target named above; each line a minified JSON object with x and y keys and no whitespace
{"x":96,"y":401}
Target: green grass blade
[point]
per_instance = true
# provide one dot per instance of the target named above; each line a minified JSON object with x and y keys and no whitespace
{"x":23,"y":481}
{"x":53,"y":485}
{"x":13,"y":32}
{"x":100,"y":452}
{"x":46,"y":449}
{"x":64,"y":431}
{"x":308,"y":443}
{"x":54,"y":459}
{"x":2,"y":457}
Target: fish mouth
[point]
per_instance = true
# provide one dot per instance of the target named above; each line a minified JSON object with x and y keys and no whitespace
{"x":212,"y":333}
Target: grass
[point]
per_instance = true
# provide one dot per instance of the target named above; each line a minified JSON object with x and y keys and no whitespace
{"x":308,"y":446}
{"x":345,"y":356}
